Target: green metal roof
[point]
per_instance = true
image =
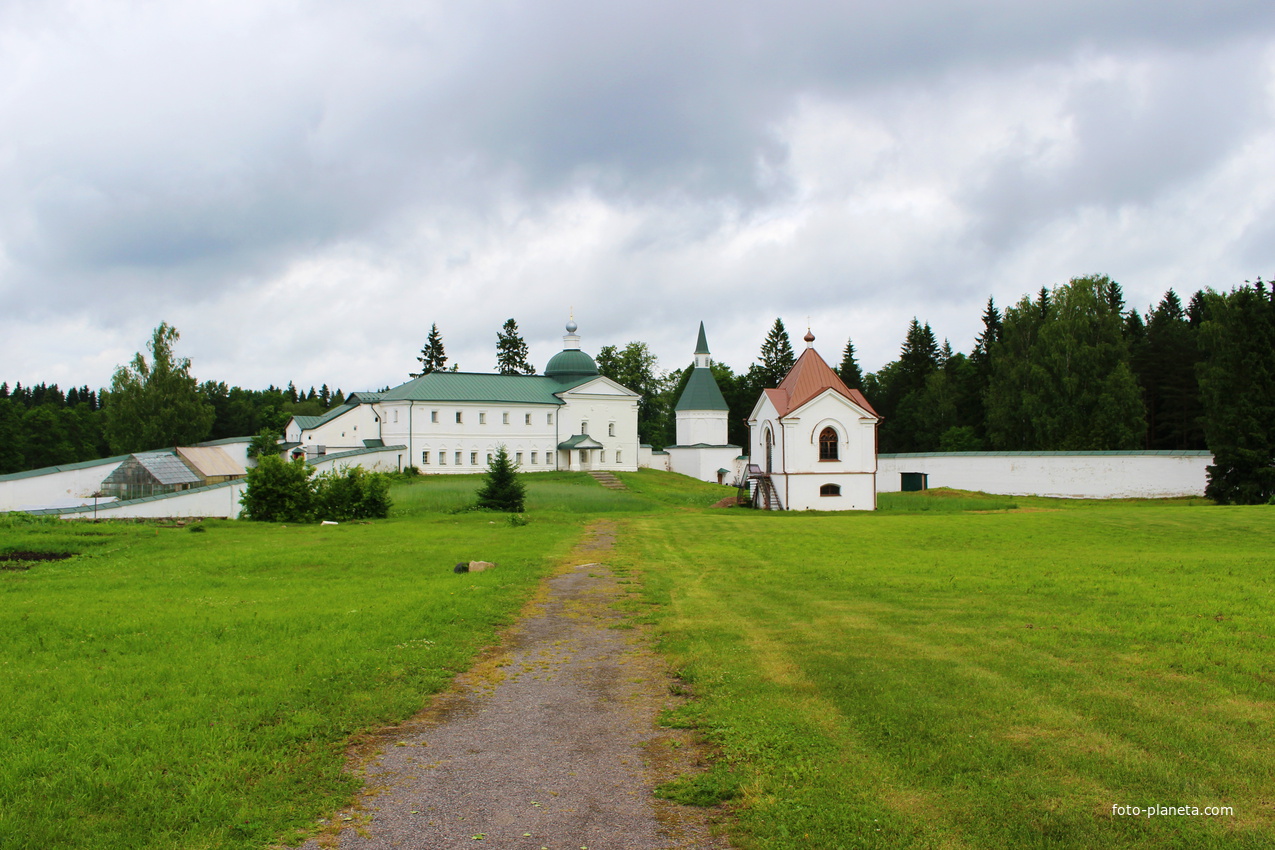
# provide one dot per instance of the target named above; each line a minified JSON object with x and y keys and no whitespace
{"x":571,"y":363}
{"x":62,"y":467}
{"x":702,"y":392}
{"x":580,"y":441}
{"x":701,"y":345}
{"x":476,"y":386}
{"x":305,"y":423}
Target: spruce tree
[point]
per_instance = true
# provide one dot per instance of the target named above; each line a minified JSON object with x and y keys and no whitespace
{"x":511,"y":351}
{"x":849,"y":371}
{"x":1237,"y":387}
{"x":776,"y":356}
{"x":502,"y":490}
{"x":432,"y":358}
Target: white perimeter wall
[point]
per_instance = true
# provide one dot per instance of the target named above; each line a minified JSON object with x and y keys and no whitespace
{"x":222,"y":500}
{"x":56,"y":487}
{"x":1081,"y":475}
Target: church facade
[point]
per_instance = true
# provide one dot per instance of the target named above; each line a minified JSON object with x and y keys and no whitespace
{"x":813,"y":442}
{"x":569,"y":418}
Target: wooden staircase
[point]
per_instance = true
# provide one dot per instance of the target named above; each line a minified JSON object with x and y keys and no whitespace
{"x":607,"y":480}
{"x":765,"y":495}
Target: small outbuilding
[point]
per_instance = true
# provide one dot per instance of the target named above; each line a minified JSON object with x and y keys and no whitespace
{"x":149,"y":474}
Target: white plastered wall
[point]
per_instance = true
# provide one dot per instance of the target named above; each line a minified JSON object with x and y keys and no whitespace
{"x":1096,"y":475}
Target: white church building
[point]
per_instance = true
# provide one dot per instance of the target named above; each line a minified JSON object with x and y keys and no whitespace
{"x":813,"y":442}
{"x":569,"y":418}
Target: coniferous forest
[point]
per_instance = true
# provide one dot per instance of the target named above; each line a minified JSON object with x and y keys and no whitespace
{"x":1067,"y":368}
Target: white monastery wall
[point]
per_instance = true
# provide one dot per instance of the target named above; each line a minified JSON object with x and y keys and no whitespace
{"x":1081,"y":475}
{"x":609,"y":419}
{"x":217,"y":500}
{"x":55,"y":486}
{"x":705,"y":462}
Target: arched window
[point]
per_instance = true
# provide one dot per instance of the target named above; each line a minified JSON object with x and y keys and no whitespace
{"x":828,"y":444}
{"x":830,"y":490}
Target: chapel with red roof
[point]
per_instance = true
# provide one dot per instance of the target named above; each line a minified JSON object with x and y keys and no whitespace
{"x":813,"y":442}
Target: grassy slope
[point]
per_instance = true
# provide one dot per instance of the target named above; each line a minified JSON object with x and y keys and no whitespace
{"x":178,"y":689}
{"x":979,"y":680}
{"x":872,"y":678}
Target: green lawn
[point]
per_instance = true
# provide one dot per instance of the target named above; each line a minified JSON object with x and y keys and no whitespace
{"x":979,"y":680}
{"x":173,"y":688}
{"x":957,"y":670}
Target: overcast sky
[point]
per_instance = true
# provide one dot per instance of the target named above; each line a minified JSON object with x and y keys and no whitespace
{"x":303,"y":187}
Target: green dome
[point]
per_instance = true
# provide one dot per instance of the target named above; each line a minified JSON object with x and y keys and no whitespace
{"x":571,"y":363}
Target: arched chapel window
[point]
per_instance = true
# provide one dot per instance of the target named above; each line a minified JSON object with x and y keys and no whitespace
{"x":828,"y":444}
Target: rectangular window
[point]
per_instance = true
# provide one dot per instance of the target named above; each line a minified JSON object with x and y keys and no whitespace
{"x":617,"y":455}
{"x":482,"y":418}
{"x":396,"y":416}
{"x":610,"y":429}
{"x":504,"y":418}
{"x":459,"y":420}
{"x":458,"y":458}
{"x":473,"y":458}
{"x":528,"y":419}
{"x":433,"y":416}
{"x":548,"y":418}
{"x":533,"y":458}
{"x":584,"y":455}
{"x":602,"y":456}
{"x":518,"y":458}
{"x":442,"y":458}
{"x":425,"y":458}
{"x":488,"y":458}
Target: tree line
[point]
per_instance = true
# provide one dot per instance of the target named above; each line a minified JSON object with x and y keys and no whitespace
{"x":1069,"y":368}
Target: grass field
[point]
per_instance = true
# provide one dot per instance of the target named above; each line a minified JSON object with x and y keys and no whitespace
{"x":956,"y":670}
{"x":979,"y":680}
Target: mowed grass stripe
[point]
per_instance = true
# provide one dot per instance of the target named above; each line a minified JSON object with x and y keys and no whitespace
{"x":979,"y":680}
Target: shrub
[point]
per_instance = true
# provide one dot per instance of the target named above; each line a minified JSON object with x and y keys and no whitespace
{"x":279,"y":491}
{"x":352,"y":493}
{"x":502,"y":490}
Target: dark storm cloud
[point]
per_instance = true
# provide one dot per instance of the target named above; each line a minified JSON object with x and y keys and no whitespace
{"x":161,"y":154}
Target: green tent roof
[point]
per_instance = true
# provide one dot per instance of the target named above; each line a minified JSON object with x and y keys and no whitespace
{"x":702,"y":392}
{"x":701,"y":345}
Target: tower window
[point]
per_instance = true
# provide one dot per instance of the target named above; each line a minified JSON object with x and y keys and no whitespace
{"x":828,"y":444}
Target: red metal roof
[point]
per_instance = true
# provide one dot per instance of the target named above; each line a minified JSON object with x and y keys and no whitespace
{"x":809,"y":377}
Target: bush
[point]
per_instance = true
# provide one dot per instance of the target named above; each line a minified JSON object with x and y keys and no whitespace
{"x":283,"y":491}
{"x":502,"y":490}
{"x":279,"y":491}
{"x":352,"y":493}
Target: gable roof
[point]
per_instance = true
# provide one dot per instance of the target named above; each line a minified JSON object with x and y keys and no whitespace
{"x":480,"y":386}
{"x":305,"y":423}
{"x":210,"y":461}
{"x":162,"y":467}
{"x":809,"y":377}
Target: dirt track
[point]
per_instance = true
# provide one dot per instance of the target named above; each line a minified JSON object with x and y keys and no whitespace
{"x":549,"y":742}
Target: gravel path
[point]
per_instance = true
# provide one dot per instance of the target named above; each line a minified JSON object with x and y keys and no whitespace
{"x":549,"y":742}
